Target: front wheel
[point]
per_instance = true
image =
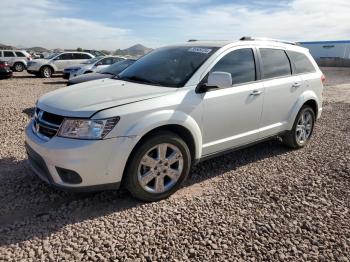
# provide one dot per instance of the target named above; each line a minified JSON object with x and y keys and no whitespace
{"x":302,"y":129}
{"x":157,"y":167}
{"x":46,"y":72}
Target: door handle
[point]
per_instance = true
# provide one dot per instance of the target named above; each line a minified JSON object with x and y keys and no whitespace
{"x":296,"y":85}
{"x":256,"y":92}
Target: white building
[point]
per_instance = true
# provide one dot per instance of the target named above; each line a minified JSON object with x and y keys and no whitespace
{"x":328,"y":49}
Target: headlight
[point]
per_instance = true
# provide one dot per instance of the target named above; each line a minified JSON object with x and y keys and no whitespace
{"x":87,"y":128}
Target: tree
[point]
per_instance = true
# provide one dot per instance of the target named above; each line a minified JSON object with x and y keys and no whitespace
{"x":79,"y":49}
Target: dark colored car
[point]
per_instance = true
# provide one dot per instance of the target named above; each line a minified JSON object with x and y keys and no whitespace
{"x":108,"y":72}
{"x":5,"y":71}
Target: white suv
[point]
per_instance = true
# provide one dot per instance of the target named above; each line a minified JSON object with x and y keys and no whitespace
{"x":17,"y":59}
{"x":171,"y":109}
{"x":56,"y":63}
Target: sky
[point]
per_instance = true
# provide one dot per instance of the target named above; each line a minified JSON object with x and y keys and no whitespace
{"x":113,"y":24}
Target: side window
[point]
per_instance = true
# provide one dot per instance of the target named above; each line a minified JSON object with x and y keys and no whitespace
{"x":240,"y":64}
{"x":9,"y":54}
{"x":20,"y":54}
{"x":116,"y":59}
{"x":81,"y":56}
{"x":66,"y":56}
{"x":301,"y":63}
{"x":275,"y":63}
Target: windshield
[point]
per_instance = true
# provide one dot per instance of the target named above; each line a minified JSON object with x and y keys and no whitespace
{"x":92,"y":61}
{"x":168,"y":66}
{"x":117,"y":67}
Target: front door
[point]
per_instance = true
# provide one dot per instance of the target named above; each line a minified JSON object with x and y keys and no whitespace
{"x":231,"y":115}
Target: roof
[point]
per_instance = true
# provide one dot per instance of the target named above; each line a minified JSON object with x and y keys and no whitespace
{"x":326,"y":42}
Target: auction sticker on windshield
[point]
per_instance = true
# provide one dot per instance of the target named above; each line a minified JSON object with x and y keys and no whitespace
{"x":200,"y":50}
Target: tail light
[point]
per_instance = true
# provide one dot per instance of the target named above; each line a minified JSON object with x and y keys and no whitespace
{"x":29,"y":58}
{"x":2,"y":65}
{"x":323,"y":78}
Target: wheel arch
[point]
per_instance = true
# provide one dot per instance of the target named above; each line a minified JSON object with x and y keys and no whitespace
{"x":307,"y":98}
{"x":52,"y":68}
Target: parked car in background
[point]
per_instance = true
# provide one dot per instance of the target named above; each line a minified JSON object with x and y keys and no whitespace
{"x":94,"y":52}
{"x":5,"y":70}
{"x":108,"y":72}
{"x":17,"y":59}
{"x":172,"y":108}
{"x":56,"y":62}
{"x":93,"y":65}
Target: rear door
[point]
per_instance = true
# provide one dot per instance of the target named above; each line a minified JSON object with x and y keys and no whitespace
{"x":8,"y":55}
{"x":282,"y":89}
{"x":79,"y":58}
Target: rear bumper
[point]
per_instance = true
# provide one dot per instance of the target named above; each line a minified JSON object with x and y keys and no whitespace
{"x":6,"y":74}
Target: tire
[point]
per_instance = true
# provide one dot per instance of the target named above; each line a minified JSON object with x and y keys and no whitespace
{"x":18,"y":67}
{"x":146,"y":159}
{"x":302,"y":129}
{"x":46,"y":72}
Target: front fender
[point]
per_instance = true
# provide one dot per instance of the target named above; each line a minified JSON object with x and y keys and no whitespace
{"x":303,"y":98}
{"x":167,"y":117}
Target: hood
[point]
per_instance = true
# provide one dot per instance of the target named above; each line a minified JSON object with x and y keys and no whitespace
{"x":83,"y":100}
{"x":88,"y":77}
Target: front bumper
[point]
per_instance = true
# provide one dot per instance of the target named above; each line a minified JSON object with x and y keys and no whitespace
{"x":99,"y":163}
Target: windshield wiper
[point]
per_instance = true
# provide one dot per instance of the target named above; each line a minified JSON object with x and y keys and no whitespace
{"x":139,"y":80}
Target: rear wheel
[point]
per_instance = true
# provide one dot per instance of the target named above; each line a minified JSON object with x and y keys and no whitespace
{"x":19,"y":67}
{"x":302,"y":129}
{"x":158,"y":167}
{"x":46,"y":72}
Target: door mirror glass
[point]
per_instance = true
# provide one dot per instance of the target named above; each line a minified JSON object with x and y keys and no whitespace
{"x":219,"y":79}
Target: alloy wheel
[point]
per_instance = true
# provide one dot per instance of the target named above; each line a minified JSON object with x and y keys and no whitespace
{"x":160,"y":168}
{"x":304,"y":127}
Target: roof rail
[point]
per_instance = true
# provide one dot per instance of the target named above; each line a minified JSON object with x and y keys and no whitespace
{"x":249,"y":38}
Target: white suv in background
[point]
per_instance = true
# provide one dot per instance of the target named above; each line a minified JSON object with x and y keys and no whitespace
{"x":172,"y":108}
{"x":92,"y":65}
{"x":56,"y":63}
{"x":17,"y":59}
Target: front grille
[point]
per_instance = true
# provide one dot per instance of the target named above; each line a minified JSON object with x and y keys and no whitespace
{"x":46,"y":124}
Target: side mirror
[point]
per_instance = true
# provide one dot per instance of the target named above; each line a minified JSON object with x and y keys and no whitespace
{"x":99,"y":63}
{"x":219,"y":79}
{"x":216,"y":80}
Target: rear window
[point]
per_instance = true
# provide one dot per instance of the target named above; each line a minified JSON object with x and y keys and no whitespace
{"x":20,"y":54}
{"x":301,"y":64}
{"x":8,"y":54}
{"x":275,"y":63}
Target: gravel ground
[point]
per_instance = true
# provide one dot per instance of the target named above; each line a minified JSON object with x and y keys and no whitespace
{"x":261,"y":203}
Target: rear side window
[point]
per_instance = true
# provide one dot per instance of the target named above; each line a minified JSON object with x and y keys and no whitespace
{"x":81,"y":56}
{"x":275,"y":63}
{"x":240,"y":64}
{"x":66,"y":56}
{"x":301,"y":64}
{"x":8,"y":54}
{"x":20,"y":54}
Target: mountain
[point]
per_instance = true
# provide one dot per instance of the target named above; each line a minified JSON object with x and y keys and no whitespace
{"x":8,"y":47}
{"x":37,"y":49}
{"x":135,"y":50}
